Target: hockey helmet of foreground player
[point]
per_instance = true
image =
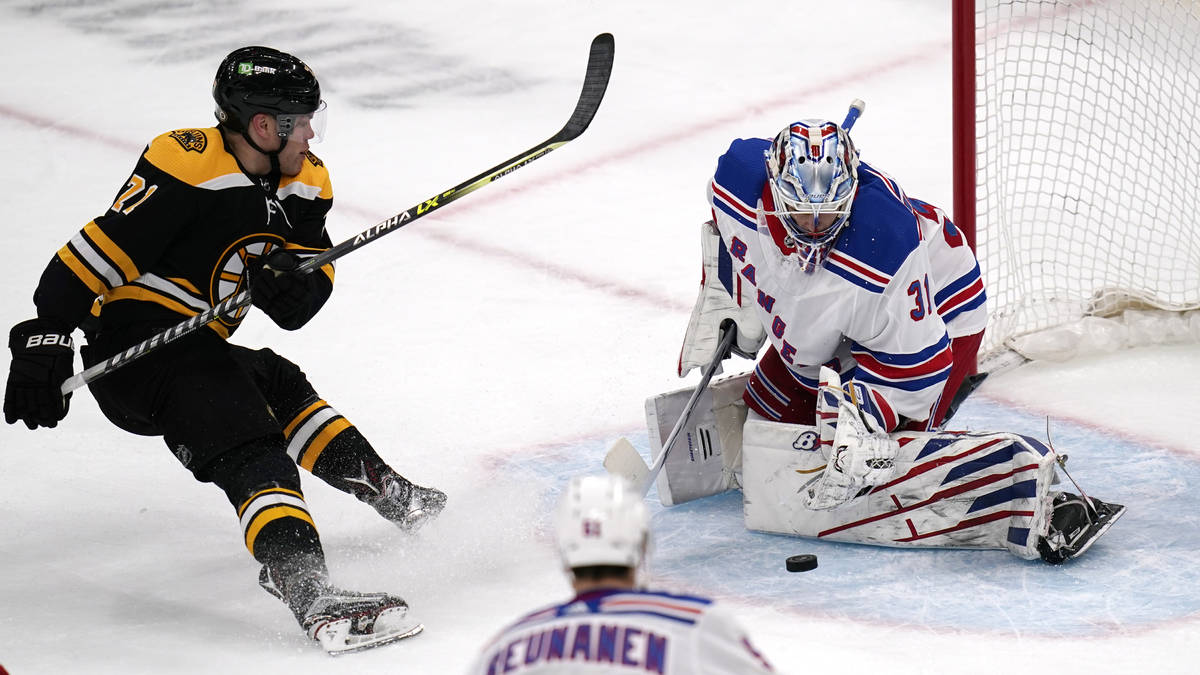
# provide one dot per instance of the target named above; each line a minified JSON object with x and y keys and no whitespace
{"x":601,"y":520}
{"x":253,"y":80}
{"x":812,"y":170}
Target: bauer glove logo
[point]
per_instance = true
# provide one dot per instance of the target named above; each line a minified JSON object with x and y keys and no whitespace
{"x":49,"y":340}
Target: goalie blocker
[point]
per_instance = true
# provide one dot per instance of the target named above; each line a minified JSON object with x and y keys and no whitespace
{"x":906,"y":489}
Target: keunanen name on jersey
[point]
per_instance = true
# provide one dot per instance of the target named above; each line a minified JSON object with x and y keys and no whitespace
{"x":623,"y":631}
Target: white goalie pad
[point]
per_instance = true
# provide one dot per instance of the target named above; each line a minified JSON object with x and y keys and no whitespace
{"x":707,"y":455}
{"x":949,"y":490}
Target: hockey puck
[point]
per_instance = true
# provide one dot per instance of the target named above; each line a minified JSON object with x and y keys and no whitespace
{"x":802,"y":563}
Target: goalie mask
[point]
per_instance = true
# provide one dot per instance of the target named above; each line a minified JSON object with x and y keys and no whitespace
{"x":601,"y":520}
{"x":812,"y":172}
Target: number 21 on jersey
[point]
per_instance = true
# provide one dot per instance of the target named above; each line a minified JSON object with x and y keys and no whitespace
{"x":137,"y":185}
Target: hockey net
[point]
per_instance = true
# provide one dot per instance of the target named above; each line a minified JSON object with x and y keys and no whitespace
{"x":1086,"y":164}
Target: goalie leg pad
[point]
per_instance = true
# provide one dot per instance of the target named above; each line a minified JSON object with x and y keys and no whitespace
{"x":949,"y":490}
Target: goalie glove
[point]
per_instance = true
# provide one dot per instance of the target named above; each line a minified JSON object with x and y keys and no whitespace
{"x":861,"y":453}
{"x":717,"y":305}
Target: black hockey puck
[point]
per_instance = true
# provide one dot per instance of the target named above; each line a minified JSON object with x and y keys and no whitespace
{"x":802,"y":563}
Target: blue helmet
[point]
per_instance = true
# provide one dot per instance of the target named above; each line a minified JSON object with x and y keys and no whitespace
{"x":812,"y":170}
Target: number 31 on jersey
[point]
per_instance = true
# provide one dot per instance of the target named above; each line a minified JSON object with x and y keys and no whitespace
{"x":919,"y":292}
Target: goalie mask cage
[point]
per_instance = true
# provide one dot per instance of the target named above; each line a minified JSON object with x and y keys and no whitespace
{"x":1077,"y":169}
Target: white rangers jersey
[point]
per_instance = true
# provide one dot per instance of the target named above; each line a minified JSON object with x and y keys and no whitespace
{"x":897,"y":284}
{"x":619,"y":631}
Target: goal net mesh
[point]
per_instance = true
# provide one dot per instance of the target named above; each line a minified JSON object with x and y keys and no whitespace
{"x":1088,"y":160}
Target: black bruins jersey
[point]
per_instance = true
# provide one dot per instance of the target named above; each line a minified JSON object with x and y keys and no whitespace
{"x":180,"y":236}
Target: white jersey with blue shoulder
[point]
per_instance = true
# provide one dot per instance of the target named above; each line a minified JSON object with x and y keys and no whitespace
{"x":958,"y":291}
{"x":869,"y":311}
{"x":614,"y":631}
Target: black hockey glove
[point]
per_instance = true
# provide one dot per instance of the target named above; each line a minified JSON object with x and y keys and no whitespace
{"x":288,"y":297}
{"x":43,"y":356}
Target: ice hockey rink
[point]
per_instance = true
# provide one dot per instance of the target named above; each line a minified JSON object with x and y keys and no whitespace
{"x":494,"y":348}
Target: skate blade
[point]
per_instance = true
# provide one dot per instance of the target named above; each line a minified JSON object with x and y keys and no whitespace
{"x":336,"y":639}
{"x":417,"y":520}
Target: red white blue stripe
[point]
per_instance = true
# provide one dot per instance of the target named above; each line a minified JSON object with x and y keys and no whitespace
{"x":737,"y":209}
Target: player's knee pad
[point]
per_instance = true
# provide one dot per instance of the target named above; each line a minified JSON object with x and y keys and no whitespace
{"x":240,"y":470}
{"x":285,"y":387}
{"x":281,"y":372}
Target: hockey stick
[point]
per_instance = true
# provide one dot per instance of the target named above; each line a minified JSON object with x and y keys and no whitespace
{"x":599,"y":67}
{"x":624,"y":460}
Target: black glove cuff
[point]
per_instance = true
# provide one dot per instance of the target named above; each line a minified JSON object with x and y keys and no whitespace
{"x":40,"y":336}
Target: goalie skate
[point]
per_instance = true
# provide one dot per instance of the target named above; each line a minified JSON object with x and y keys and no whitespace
{"x":1074,"y":527}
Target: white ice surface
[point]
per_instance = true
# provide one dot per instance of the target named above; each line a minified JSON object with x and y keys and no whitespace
{"x":494,"y":347}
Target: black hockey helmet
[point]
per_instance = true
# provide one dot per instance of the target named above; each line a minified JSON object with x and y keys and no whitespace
{"x":253,"y":80}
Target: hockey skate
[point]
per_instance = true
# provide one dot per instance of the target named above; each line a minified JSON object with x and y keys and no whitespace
{"x":342,"y":621}
{"x":405,"y":503}
{"x":1074,"y":526}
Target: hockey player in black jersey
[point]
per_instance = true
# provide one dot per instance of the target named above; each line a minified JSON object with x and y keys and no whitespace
{"x":205,"y":213}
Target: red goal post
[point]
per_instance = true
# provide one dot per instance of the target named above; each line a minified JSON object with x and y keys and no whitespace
{"x":1077,"y":171}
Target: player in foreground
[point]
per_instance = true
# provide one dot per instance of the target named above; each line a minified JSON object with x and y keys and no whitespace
{"x":204,"y":213}
{"x":613,"y":625}
{"x":874,"y":308}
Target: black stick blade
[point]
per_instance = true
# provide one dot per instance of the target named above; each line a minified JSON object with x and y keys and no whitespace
{"x":595,"y":83}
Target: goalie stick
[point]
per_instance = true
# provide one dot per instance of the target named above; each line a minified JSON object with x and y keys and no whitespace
{"x":599,"y":68}
{"x":624,"y":460}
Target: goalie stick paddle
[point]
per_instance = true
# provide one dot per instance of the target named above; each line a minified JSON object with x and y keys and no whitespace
{"x":599,"y":68}
{"x":622,"y":459}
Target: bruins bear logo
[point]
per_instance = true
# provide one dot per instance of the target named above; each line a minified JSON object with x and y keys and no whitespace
{"x":192,"y":140}
{"x":231,"y":276}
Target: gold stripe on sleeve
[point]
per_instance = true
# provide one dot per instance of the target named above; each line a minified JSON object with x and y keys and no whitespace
{"x":94,"y":283}
{"x":128,"y":269}
{"x":147,"y":295}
